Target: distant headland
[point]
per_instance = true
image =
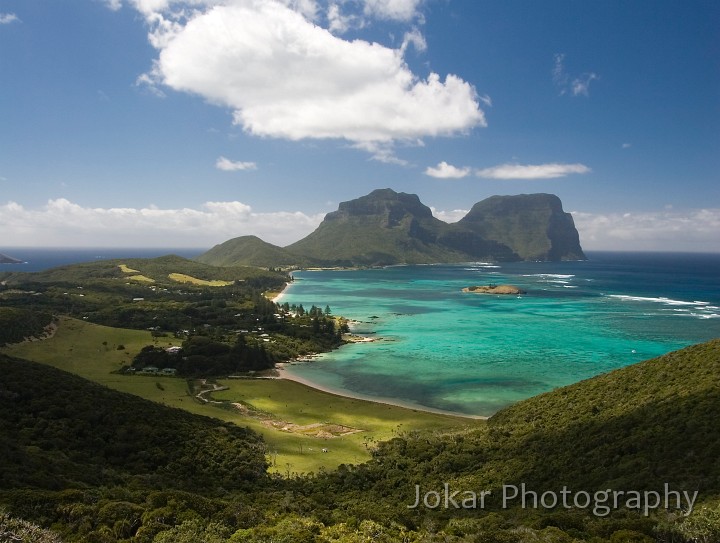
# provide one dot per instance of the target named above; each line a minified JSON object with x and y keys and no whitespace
{"x":5,"y":259}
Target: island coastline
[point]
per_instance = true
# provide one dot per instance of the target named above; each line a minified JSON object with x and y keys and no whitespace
{"x":283,"y":371}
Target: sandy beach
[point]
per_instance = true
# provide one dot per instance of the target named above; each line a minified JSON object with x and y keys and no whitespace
{"x":285,"y":371}
{"x":280,"y":294}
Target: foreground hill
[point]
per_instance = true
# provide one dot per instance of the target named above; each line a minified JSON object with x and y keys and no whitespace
{"x":634,"y":429}
{"x":386,"y":227}
{"x":59,"y":431}
{"x":638,"y":427}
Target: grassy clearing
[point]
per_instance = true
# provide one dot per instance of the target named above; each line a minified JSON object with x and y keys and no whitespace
{"x":298,"y":404}
{"x":125,"y":269}
{"x":91,"y":351}
{"x":183,"y":278}
{"x":141,"y":278}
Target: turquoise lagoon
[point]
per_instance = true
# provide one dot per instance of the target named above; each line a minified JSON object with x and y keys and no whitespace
{"x":438,"y":347}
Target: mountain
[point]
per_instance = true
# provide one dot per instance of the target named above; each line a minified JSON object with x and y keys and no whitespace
{"x":533,"y":225}
{"x":251,"y":251}
{"x":5,"y":259}
{"x":386,"y":227}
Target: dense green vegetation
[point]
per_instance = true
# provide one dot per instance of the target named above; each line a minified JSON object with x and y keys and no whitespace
{"x":171,"y":297}
{"x":17,"y":324}
{"x":386,"y":227}
{"x":58,"y":430}
{"x":637,"y":428}
{"x":279,"y":339}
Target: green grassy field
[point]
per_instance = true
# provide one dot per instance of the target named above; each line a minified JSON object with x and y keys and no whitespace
{"x":297,"y":422}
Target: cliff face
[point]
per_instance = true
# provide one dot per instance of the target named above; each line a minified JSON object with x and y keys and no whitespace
{"x":386,"y":227}
{"x":534,"y":226}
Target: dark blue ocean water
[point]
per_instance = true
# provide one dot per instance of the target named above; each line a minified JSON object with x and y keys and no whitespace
{"x":471,"y":353}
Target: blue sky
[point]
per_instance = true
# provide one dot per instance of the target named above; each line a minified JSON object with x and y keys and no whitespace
{"x":188,"y":122}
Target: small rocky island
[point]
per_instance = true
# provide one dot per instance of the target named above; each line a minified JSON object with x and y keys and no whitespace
{"x":494,"y":289}
{"x":5,"y":259}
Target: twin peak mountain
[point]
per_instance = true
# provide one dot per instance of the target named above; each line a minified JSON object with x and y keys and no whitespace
{"x":386,"y":227}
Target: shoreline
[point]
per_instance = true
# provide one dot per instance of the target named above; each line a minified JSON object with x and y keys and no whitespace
{"x":284,"y":372}
{"x":276,"y":299}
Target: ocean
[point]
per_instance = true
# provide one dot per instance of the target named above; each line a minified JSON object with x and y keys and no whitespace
{"x":438,"y":347}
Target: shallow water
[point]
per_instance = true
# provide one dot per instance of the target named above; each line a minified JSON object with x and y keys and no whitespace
{"x":471,"y":353}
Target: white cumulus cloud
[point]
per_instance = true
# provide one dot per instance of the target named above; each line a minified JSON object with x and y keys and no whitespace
{"x":7,"y":18}
{"x":228,"y":165}
{"x":447,"y":171}
{"x":397,"y":10}
{"x":283,"y":76}
{"x":531,"y":171}
{"x":63,"y":223}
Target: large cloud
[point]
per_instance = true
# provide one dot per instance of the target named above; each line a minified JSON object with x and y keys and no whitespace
{"x":285,"y":77}
{"x":63,"y":223}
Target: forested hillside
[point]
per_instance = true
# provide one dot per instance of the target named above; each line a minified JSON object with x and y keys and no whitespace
{"x":59,"y":431}
{"x":100,"y":466}
{"x":18,"y":324}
